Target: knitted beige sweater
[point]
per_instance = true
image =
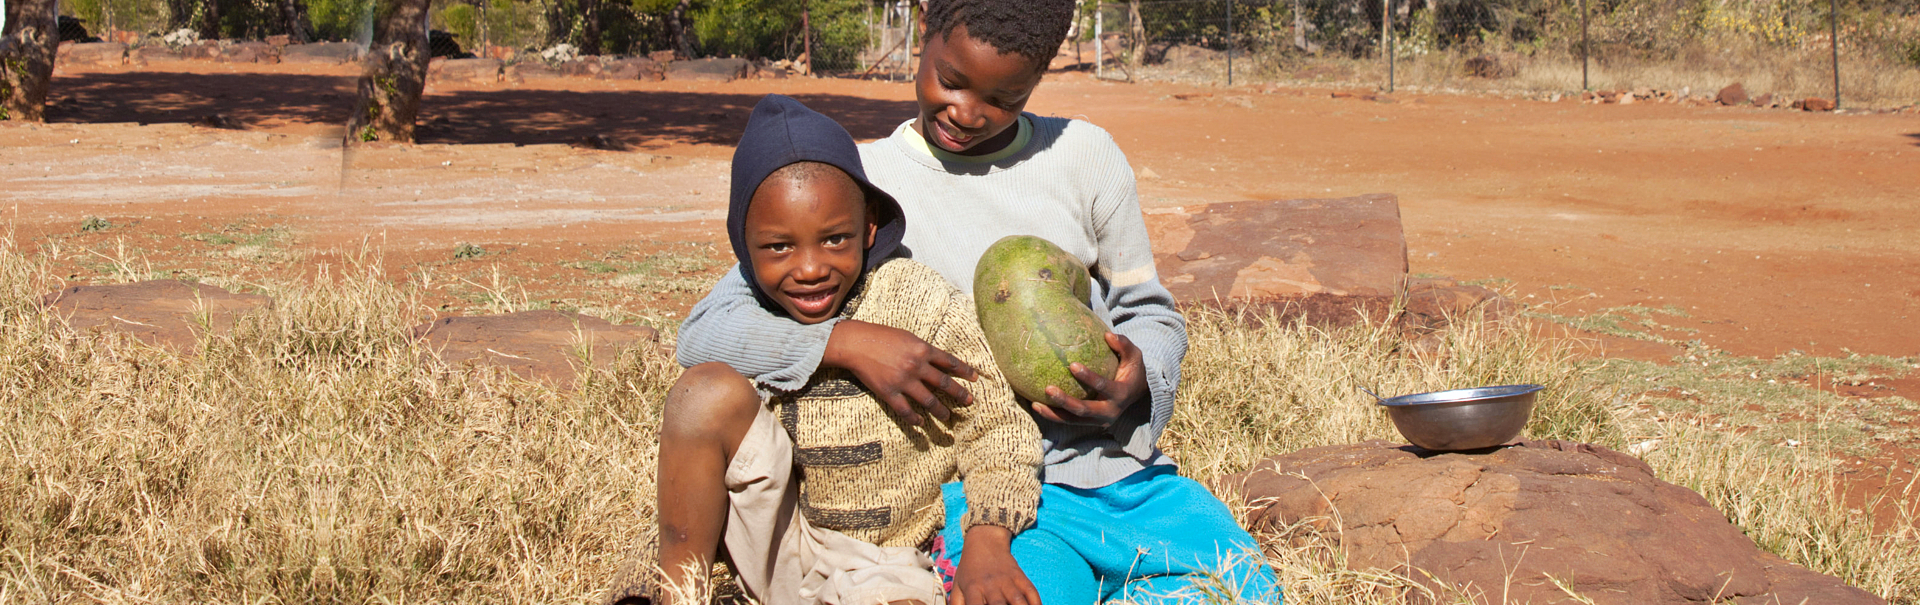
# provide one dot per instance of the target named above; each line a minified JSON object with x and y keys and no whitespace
{"x":878,"y":480}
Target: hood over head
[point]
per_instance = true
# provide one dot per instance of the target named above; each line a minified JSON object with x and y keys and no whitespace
{"x":782,"y":131}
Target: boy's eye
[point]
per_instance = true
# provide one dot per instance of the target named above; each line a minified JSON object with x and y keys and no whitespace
{"x":835,"y":240}
{"x":778,"y":247}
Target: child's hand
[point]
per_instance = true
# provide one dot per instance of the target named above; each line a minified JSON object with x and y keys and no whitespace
{"x":988,"y":574}
{"x":1106,"y":399}
{"x":901,"y":369}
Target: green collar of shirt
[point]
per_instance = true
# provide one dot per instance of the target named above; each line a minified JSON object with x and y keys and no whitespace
{"x":919,"y":143}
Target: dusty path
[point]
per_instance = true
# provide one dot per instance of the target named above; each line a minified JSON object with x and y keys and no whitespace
{"x":1769,"y":230}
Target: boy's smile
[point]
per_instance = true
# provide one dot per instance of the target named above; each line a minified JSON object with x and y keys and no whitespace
{"x":807,"y":236}
{"x":970,"y":93}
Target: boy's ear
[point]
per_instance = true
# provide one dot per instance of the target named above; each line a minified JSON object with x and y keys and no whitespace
{"x":873,"y":227}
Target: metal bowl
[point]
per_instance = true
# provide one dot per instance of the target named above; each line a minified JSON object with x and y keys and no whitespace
{"x":1463,"y":419}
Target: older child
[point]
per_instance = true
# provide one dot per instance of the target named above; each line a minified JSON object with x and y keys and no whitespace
{"x":1116,"y":520}
{"x":816,"y":242}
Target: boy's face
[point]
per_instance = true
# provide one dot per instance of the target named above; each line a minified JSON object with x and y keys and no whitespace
{"x":970,"y":93}
{"x":808,"y":239}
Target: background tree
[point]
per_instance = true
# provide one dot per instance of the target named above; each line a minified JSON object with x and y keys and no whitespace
{"x":27,"y":44}
{"x":294,"y":22}
{"x":388,"y":98}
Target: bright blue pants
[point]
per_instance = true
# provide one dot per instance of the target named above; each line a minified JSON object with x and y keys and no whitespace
{"x":1153,"y":537}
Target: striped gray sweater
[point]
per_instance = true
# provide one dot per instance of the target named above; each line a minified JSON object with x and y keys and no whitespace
{"x":1069,"y":184}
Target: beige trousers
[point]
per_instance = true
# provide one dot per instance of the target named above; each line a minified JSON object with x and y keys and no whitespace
{"x":781,"y":559}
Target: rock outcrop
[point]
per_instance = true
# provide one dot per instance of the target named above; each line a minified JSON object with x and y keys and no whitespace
{"x":539,"y":345}
{"x":1595,"y":520}
{"x":166,"y":313}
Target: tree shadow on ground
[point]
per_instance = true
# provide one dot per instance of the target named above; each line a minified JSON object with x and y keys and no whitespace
{"x":1916,"y":138}
{"x":637,"y":119}
{"x":627,"y":119}
{"x":242,"y":99}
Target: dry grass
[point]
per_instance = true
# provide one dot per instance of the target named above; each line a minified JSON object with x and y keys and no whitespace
{"x":314,"y":455}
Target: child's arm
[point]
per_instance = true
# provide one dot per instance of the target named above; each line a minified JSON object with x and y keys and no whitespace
{"x":999,"y":463}
{"x":731,"y":327}
{"x":1141,"y":311}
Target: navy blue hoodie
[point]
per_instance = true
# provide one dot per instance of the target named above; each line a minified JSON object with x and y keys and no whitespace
{"x":781,"y":131}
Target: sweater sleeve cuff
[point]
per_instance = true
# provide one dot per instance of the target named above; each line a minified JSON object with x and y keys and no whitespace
{"x":1015,"y":519}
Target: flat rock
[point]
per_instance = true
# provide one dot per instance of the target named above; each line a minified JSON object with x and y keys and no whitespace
{"x":93,"y":53}
{"x":579,"y":68}
{"x":153,"y":52}
{"x":160,"y":313}
{"x":634,"y":68}
{"x":538,"y":345}
{"x":530,"y":70}
{"x":469,"y":70}
{"x":1595,"y":519}
{"x":1341,"y":247}
{"x":715,"y":70}
{"x":250,"y":52}
{"x":204,"y":50}
{"x":320,"y":52}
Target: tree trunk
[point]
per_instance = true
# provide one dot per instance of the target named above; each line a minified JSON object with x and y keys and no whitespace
{"x":294,"y":13}
{"x":30,"y":39}
{"x":180,"y":15}
{"x":210,"y":20}
{"x":590,"y":27}
{"x":1299,"y":27}
{"x":677,"y":27}
{"x":396,"y":74}
{"x":1137,"y":30}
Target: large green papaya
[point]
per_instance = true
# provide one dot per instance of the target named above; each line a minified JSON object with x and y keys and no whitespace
{"x":1032,"y":300}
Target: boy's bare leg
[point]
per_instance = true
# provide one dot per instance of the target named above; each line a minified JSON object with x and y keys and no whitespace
{"x":707,"y":414}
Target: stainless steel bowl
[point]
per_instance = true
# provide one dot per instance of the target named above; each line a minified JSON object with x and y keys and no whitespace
{"x":1463,"y":419}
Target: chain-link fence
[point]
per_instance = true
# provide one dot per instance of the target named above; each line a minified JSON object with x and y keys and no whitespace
{"x":1782,"y":50}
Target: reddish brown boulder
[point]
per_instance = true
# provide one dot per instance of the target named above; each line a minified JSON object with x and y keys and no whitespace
{"x":1596,"y":520}
{"x":539,"y":345}
{"x":204,"y":50}
{"x":1816,"y":104}
{"x":580,"y":68}
{"x":530,"y":70}
{"x":92,"y":53}
{"x":250,"y":52}
{"x":331,"y":53}
{"x":161,"y":313}
{"x":141,"y":55}
{"x":711,"y":69}
{"x":1733,"y":94}
{"x":482,"y":71}
{"x":635,"y":68}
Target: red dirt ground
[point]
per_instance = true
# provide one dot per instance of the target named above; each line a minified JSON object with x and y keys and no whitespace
{"x":1771,"y":230}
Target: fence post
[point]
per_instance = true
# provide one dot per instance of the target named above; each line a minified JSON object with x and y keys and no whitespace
{"x":1833,"y":39}
{"x":1229,"y":42}
{"x":1386,"y":38}
{"x":1584,"y":86}
{"x":1099,"y":48}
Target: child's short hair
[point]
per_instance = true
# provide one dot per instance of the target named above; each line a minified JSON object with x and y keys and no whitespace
{"x":1032,"y":28}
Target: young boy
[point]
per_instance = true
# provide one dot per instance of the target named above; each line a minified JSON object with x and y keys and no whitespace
{"x":816,"y":242}
{"x":1116,"y":520}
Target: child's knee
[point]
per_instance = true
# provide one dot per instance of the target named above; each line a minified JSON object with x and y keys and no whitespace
{"x":707,"y":398}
